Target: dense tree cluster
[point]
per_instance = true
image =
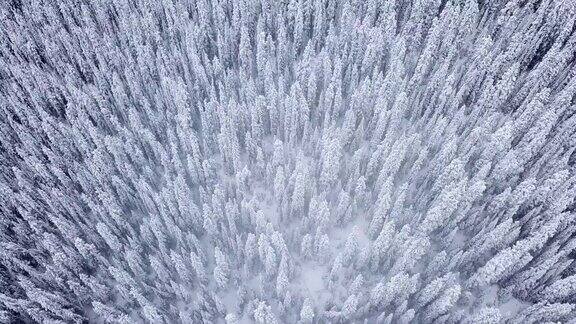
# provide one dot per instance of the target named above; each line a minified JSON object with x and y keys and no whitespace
{"x":197,"y":161}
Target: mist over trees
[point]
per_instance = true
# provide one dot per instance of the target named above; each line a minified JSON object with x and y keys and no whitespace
{"x":292,"y":161}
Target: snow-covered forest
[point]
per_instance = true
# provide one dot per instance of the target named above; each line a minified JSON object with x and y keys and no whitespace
{"x":290,"y":161}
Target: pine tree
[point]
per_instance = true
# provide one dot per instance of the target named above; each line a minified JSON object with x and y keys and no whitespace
{"x":307,"y":312}
{"x":222,"y":270}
